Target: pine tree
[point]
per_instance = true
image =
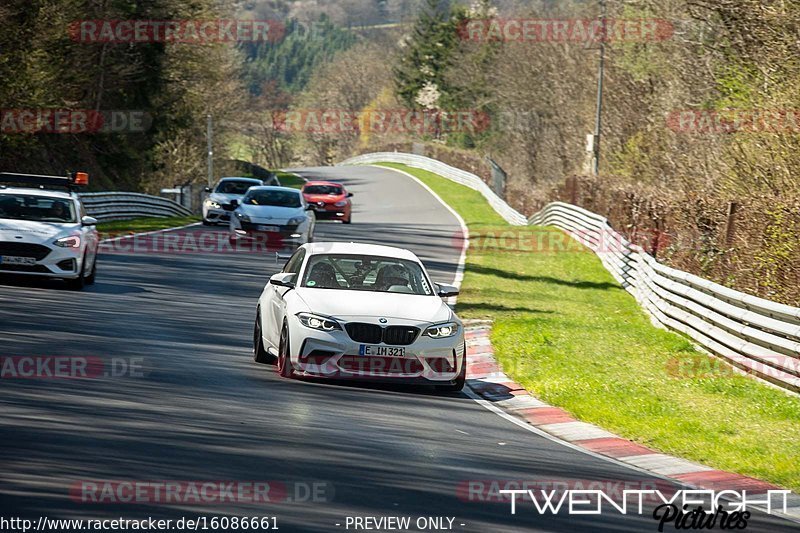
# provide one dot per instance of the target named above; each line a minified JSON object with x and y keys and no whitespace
{"x":428,"y":54}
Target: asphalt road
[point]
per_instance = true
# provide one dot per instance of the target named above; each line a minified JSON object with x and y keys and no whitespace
{"x":202,"y":410}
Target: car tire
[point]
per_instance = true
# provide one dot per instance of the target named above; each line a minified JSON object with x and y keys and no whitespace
{"x":260,"y":354}
{"x":285,"y":368}
{"x":461,"y":379}
{"x":91,"y":277}
{"x":348,"y":220}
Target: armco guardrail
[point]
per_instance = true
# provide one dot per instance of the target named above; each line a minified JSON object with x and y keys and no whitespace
{"x":756,"y":335}
{"x":105,"y":206}
{"x":454,"y":174}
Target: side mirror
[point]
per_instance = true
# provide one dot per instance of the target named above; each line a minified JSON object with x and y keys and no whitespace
{"x":284,"y":279}
{"x":88,"y":221}
{"x":349,"y":195}
{"x":445,"y":291}
{"x":308,"y":207}
{"x":207,"y":189}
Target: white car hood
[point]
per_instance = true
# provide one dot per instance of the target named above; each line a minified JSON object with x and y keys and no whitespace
{"x":35,"y":232}
{"x":271,"y":214}
{"x":350,"y":305}
{"x":222,"y":198}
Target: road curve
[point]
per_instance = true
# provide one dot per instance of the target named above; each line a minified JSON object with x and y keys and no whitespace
{"x":204,"y":411}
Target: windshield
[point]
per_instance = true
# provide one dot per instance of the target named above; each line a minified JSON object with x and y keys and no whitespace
{"x":323,"y":189}
{"x":235,"y":187}
{"x":36,"y":208}
{"x":274,"y":198}
{"x":366,"y":273}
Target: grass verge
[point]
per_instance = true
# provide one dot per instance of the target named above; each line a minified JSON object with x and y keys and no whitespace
{"x":289,"y":179}
{"x":141,"y":225}
{"x":565,"y":330}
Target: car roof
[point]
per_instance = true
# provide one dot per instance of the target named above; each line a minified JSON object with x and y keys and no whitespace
{"x":358,"y":248}
{"x":274,"y":188}
{"x":234,"y":178}
{"x":49,"y":193}
{"x":322,"y":182}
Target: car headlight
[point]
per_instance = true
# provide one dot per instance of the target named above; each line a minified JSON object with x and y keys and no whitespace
{"x":442,"y":331}
{"x":68,"y":242}
{"x":243,"y":217}
{"x":212,"y":204}
{"x":341,"y":203}
{"x":318,"y":322}
{"x":296,"y":221}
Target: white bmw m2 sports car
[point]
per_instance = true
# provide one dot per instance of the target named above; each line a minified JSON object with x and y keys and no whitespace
{"x":359,"y":311}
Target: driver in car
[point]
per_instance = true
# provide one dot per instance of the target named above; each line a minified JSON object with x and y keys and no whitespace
{"x":58,"y":210}
{"x":392,"y":276}
{"x":323,"y":276}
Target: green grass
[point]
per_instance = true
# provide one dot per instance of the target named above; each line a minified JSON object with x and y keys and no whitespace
{"x":565,"y":330}
{"x":141,"y":225}
{"x":289,"y":179}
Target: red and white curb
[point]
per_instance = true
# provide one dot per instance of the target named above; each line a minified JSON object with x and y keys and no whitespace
{"x":487,"y":380}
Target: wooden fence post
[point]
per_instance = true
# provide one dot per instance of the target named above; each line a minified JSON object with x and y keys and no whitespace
{"x":730,"y":224}
{"x":572,"y":190}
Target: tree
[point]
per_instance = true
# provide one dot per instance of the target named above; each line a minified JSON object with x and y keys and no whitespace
{"x":428,"y":52}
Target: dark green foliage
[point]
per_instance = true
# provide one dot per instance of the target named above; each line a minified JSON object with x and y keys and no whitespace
{"x":429,"y":52}
{"x":43,"y":67}
{"x":291,"y":61}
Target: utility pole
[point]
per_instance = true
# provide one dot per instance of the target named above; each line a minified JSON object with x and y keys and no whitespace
{"x":598,"y":123}
{"x":209,"y":135}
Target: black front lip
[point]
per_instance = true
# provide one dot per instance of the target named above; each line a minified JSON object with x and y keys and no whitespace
{"x":382,"y":380}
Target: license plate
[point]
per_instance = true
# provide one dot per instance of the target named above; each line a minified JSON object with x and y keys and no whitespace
{"x":16,"y":260}
{"x":271,"y":229}
{"x":382,"y":351}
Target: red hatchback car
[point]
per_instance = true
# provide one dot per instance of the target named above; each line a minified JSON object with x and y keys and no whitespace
{"x":329,"y":199}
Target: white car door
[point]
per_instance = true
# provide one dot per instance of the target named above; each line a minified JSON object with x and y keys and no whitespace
{"x":276,"y":308}
{"x":90,"y":237}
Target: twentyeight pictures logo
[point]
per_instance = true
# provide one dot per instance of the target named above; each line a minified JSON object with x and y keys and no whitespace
{"x":175,"y":31}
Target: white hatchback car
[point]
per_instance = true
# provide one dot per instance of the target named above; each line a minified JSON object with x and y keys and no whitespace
{"x":279,"y":216}
{"x":45,"y":231}
{"x":360,"y":311}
